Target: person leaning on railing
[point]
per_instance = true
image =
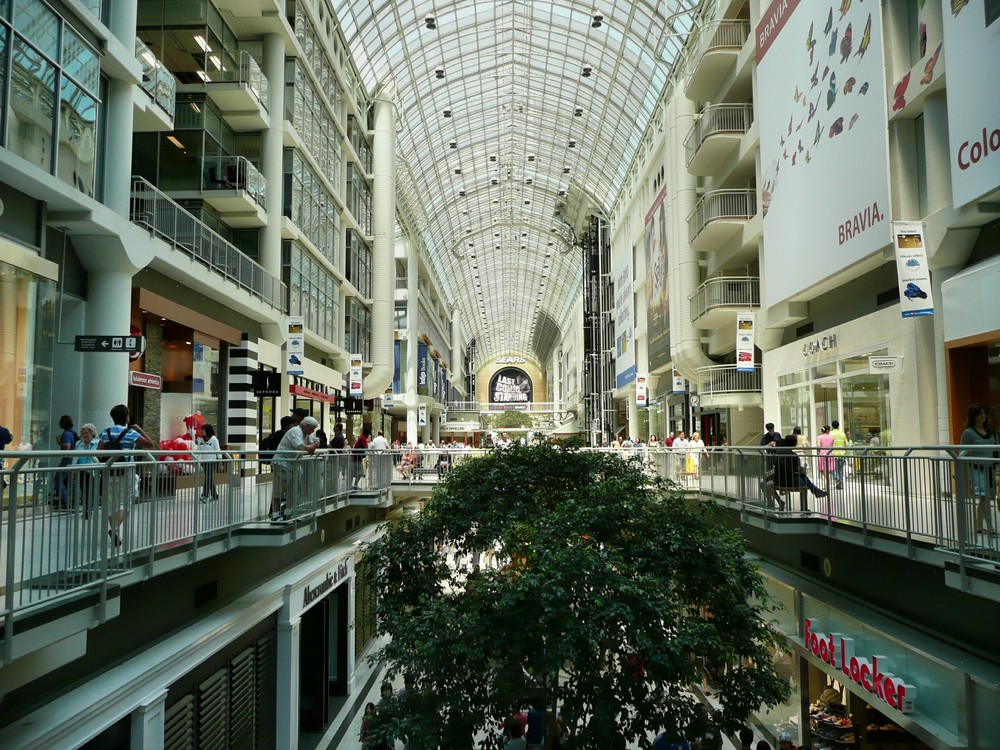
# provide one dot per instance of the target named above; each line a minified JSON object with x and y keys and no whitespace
{"x":299,"y":439}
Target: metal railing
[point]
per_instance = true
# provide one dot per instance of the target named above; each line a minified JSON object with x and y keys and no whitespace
{"x":66,"y":528}
{"x":239,"y":67}
{"x":726,"y":379}
{"x":738,"y":205}
{"x":234,"y":173}
{"x":157,"y":81}
{"x":713,"y":37}
{"x":725,"y":291}
{"x":717,"y":119}
{"x":152,"y":209}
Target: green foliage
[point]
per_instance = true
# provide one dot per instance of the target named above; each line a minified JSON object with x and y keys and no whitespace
{"x":611,"y":584}
{"x":509,"y":419}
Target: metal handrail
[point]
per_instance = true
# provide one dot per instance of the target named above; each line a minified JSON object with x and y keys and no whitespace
{"x":725,"y":379}
{"x":714,"y":120}
{"x":152,"y":209}
{"x":739,"y":205}
{"x":725,"y":291}
{"x":234,"y":173}
{"x":729,"y":34}
{"x":240,"y":67}
{"x":157,"y":81}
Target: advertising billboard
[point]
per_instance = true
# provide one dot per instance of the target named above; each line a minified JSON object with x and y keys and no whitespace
{"x":745,"y":342}
{"x":511,"y":387}
{"x":912,"y":269}
{"x":423,"y":365}
{"x":657,"y":298}
{"x":823,"y":141}
{"x":972,"y":49}
{"x":624,"y":318}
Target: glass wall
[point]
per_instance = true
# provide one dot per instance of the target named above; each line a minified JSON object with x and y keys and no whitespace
{"x":49,"y":83}
{"x":843,"y":390}
{"x":359,"y":198}
{"x":313,"y":118}
{"x":313,"y":292}
{"x":311,"y":207}
{"x":359,"y":264}
{"x":358,"y":329}
{"x":27,"y":338}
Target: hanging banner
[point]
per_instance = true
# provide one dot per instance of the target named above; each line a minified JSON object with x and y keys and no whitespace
{"x":624,"y":319}
{"x":911,"y":268}
{"x":680,"y":385}
{"x":657,"y":287}
{"x":435,"y":378}
{"x":296,"y":345}
{"x":396,"y":363}
{"x":422,"y":415}
{"x":641,"y":392}
{"x":356,"y":386}
{"x":422,"y":367}
{"x":744,"y":342}
{"x":387,"y":398}
{"x":444,"y":416}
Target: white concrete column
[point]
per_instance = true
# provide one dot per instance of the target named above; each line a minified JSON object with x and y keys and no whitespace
{"x":436,"y":429}
{"x":633,"y":416}
{"x":383,"y":245}
{"x":287,"y":720}
{"x":939,"y":356}
{"x":272,"y":152}
{"x":118,"y":149}
{"x":109,"y":304}
{"x":148,"y":723}
{"x":937,"y":153}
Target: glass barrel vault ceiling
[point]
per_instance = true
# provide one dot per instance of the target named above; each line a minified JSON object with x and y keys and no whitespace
{"x":515,"y":119}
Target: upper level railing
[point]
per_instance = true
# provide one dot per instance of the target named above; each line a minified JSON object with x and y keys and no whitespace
{"x":157,"y":81}
{"x":234,"y":173}
{"x":725,"y":291}
{"x":65,"y":529}
{"x":477,"y":406}
{"x":153,"y":210}
{"x":726,"y":379}
{"x":239,"y":67}
{"x":729,"y":34}
{"x":717,"y":119}
{"x":722,"y":204}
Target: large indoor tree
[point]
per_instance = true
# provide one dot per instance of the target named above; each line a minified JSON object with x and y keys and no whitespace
{"x":606,"y":593}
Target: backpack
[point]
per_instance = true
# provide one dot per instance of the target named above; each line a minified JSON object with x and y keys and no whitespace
{"x":270,"y":443}
{"x":115,"y":443}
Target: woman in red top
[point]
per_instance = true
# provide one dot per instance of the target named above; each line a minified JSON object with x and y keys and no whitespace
{"x":358,"y":457}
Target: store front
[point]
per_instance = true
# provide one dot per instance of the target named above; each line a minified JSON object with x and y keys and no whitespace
{"x":860,"y":679}
{"x":838,"y":374}
{"x":319,"y":400}
{"x":27,"y":340}
{"x":180,"y":383}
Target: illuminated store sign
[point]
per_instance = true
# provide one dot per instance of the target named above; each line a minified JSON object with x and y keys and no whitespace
{"x":870,"y":673}
{"x":511,"y":360}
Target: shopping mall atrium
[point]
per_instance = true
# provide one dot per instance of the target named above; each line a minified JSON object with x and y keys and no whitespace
{"x":461,"y":222}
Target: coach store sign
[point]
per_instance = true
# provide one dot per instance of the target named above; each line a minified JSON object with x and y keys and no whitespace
{"x":871,"y":672}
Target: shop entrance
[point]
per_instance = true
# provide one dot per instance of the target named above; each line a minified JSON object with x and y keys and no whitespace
{"x":973,"y":376}
{"x":323,"y":660}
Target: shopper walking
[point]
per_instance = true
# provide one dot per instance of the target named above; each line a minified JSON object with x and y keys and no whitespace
{"x":358,"y":457}
{"x":981,"y":483}
{"x":66,"y":440}
{"x":839,"y":454}
{"x":88,"y":480}
{"x":827,"y":463}
{"x":121,"y":486}
{"x":209,"y":452}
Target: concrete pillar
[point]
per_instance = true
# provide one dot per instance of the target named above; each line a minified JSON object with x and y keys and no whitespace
{"x":148,"y":723}
{"x":383,"y":246}
{"x":632,"y":430}
{"x":118,"y":153}
{"x":287,"y":723}
{"x":436,"y":429}
{"x":938,"y":354}
{"x":937,"y":153}
{"x":272,"y":152}
{"x":109,"y":303}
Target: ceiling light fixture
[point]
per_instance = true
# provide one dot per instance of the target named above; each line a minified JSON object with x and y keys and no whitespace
{"x":587,"y":70}
{"x":598,"y":21}
{"x":439,"y":73}
{"x":446,"y":113}
{"x":429,"y":21}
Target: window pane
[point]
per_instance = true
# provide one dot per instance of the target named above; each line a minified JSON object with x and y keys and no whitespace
{"x":80,"y":61}
{"x":31,"y":106}
{"x":77,"y":138}
{"x":39,"y":25}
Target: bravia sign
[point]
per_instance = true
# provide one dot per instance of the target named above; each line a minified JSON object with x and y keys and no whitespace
{"x":510,"y":386}
{"x":871,"y":674}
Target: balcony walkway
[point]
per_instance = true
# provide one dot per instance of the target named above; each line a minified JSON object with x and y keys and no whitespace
{"x":907,"y":501}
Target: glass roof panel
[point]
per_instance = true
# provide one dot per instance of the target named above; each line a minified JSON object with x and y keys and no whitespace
{"x":547,"y":108}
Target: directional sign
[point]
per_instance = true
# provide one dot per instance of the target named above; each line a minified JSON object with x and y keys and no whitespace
{"x":130,"y":344}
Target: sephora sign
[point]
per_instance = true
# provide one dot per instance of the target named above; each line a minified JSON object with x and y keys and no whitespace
{"x":511,"y":387}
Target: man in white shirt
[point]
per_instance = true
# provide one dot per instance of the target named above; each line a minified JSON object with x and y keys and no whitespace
{"x":299,"y":439}
{"x":379,"y":443}
{"x":681,"y":444}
